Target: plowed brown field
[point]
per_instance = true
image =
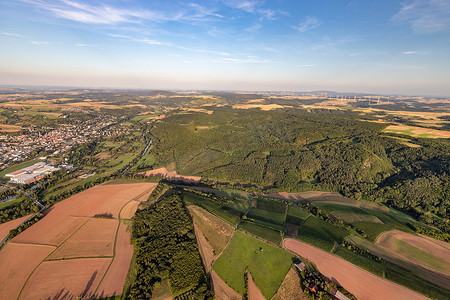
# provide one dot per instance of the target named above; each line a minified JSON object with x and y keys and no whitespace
{"x":5,"y":228}
{"x":254,"y":293}
{"x":73,"y":232}
{"x":94,"y":239}
{"x":66,"y":279}
{"x":115,"y":278}
{"x":362,"y":284}
{"x":17,"y":262}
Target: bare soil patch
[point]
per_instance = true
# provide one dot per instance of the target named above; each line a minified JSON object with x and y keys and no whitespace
{"x":9,"y":128}
{"x":206,"y":251}
{"x":5,"y":228}
{"x":254,"y":293}
{"x":163,"y":172}
{"x":51,"y":230}
{"x":360,"y":283}
{"x":417,"y":250}
{"x":215,"y":230}
{"x":222,"y":290}
{"x":66,"y":279}
{"x":129,"y":209}
{"x":94,"y":239}
{"x":290,"y":289}
{"x":17,"y":262}
{"x":264,"y":107}
{"x":114,"y":280}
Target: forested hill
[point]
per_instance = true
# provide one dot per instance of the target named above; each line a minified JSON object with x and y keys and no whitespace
{"x":301,"y":150}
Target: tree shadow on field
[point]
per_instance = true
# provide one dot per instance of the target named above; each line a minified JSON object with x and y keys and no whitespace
{"x":89,"y":285}
{"x":62,"y":294}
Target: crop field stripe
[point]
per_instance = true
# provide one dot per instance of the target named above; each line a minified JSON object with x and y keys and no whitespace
{"x":117,"y":233}
{"x":28,"y":278}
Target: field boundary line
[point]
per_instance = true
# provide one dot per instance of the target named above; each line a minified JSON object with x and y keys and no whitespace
{"x":81,"y":257}
{"x":31,"y":274}
{"x":117,"y":234}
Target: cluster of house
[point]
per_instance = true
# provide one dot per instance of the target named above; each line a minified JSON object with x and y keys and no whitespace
{"x":334,"y":293}
{"x":31,"y":173}
{"x":17,"y":147}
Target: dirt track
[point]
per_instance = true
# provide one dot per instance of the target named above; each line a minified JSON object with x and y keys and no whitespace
{"x":362,"y":284}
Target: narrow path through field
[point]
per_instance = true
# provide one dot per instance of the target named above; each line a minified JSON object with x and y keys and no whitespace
{"x":361,"y":283}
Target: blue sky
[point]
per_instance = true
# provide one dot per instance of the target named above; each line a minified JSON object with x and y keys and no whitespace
{"x":383,"y":46}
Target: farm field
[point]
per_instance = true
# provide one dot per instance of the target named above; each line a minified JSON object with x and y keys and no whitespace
{"x":418,"y":131}
{"x":290,"y":289}
{"x":261,"y":259}
{"x":5,"y":228}
{"x":28,"y":257}
{"x":216,"y":231}
{"x":360,"y":283}
{"x":266,"y":233}
{"x":65,"y":278}
{"x":163,"y":172}
{"x":320,"y":233}
{"x":254,"y":293}
{"x":416,"y":249}
{"x":114,"y":280}
{"x":94,"y":239}
{"x":80,"y":239}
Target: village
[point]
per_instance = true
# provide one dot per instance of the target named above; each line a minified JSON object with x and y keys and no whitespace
{"x":34,"y":139}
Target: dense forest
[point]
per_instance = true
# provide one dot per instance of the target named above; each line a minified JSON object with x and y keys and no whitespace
{"x":166,"y":249}
{"x":295,"y":150}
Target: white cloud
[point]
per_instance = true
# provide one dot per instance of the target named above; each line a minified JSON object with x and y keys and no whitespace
{"x":425,"y":16}
{"x":255,"y":27}
{"x":11,"y":34}
{"x":139,"y":40}
{"x":202,"y":11}
{"x":245,"y":5}
{"x":100,"y":14}
{"x":309,"y":23}
{"x":409,"y":52}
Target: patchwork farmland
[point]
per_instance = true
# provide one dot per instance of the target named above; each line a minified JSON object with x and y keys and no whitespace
{"x":80,"y":248}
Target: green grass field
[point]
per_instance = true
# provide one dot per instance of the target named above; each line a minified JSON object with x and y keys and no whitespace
{"x":373,"y":230}
{"x":211,"y":206}
{"x":271,"y":205}
{"x":18,"y":167}
{"x":296,"y":215}
{"x":366,"y":263}
{"x":320,"y":233}
{"x":407,"y":278}
{"x":263,"y":232}
{"x":11,"y":202}
{"x":270,"y":217}
{"x":260,"y":258}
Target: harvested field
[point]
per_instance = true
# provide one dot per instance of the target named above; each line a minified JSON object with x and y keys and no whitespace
{"x":114,"y":280}
{"x":417,"y":250}
{"x":93,"y":239}
{"x":254,"y":293}
{"x":129,"y":210}
{"x":12,"y":277}
{"x":51,"y":230}
{"x":65,"y":279}
{"x":217,"y":232}
{"x":71,"y":223}
{"x":418,"y":131}
{"x":163,"y":172}
{"x":102,"y":199}
{"x":360,"y":283}
{"x":223,"y":290}
{"x":264,"y":107}
{"x":290,"y":289}
{"x":5,"y":228}
{"x":206,"y":251}
{"x":9,"y":128}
